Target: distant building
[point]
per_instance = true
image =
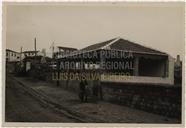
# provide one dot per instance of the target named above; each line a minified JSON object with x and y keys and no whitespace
{"x":32,"y":61}
{"x":61,"y":51}
{"x":30,"y":53}
{"x":12,"y":56}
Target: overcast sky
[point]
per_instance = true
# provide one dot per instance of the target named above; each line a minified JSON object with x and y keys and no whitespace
{"x":159,"y":26}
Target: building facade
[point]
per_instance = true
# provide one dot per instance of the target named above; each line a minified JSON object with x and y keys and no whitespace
{"x":145,"y":66}
{"x":12,"y":56}
{"x":30,"y":53}
{"x":61,"y":51}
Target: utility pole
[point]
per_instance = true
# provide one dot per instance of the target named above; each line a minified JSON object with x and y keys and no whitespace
{"x":21,"y":62}
{"x":35,"y":47}
{"x":53,"y":50}
{"x":21,"y":54}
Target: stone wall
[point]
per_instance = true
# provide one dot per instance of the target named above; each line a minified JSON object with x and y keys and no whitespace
{"x":163,"y":100}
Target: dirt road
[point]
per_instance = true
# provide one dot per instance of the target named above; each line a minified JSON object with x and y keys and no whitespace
{"x":22,"y":107}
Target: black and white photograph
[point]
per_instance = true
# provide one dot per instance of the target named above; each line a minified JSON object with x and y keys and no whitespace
{"x":103,"y":63}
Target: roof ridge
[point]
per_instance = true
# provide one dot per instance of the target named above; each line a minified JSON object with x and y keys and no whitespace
{"x":98,"y":44}
{"x":112,"y":42}
{"x":66,"y":47}
{"x":11,"y":50}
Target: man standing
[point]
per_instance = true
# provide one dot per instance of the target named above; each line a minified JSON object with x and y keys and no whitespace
{"x":83,"y":91}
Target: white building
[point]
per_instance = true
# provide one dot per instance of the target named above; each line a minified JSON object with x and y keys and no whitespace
{"x":61,"y":51}
{"x":12,"y":56}
{"x":29,"y":53}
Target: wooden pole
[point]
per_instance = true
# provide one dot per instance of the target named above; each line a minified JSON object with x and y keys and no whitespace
{"x":35,"y":47}
{"x":21,"y":54}
{"x":53,"y":50}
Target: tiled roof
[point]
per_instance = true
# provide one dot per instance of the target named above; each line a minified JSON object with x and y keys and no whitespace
{"x":67,"y":48}
{"x":122,"y":44}
{"x":11,"y":50}
{"x":98,"y":45}
{"x":30,"y":51}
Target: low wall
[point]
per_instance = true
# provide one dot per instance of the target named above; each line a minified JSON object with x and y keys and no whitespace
{"x":137,"y":79}
{"x":163,"y":100}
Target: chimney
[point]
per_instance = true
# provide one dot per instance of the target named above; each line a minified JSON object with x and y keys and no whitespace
{"x":178,"y":58}
{"x":178,"y":61}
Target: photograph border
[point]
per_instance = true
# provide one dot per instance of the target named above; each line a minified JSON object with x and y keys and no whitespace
{"x":34,"y":124}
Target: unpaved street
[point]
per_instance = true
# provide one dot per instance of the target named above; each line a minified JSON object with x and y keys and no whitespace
{"x":21,"y":107}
